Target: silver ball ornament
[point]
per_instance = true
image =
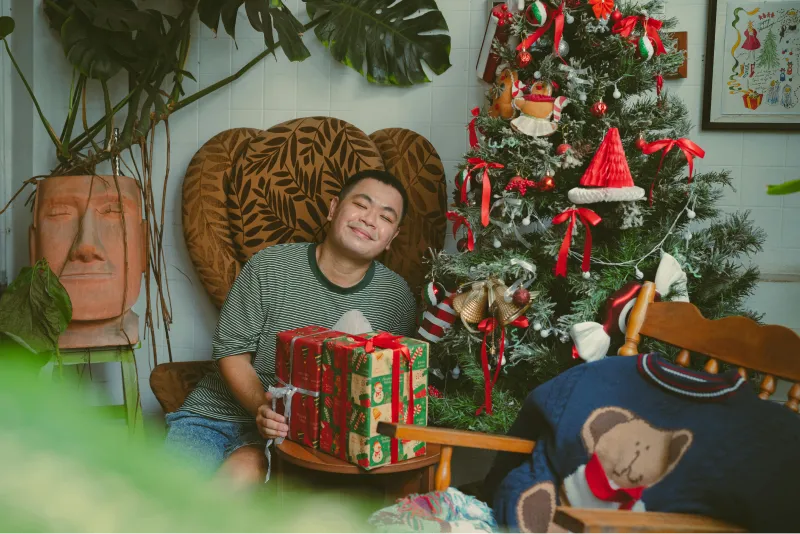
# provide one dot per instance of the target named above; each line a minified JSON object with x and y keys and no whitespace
{"x":537,"y":74}
{"x":616,"y":94}
{"x":456,"y":372}
{"x":526,"y":221}
{"x":563,"y":48}
{"x":569,"y":18}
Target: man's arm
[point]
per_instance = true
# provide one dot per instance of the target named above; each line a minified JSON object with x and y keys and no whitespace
{"x":241,"y":377}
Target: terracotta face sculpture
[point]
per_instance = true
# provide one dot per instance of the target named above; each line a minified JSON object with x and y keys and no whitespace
{"x":81,"y":236}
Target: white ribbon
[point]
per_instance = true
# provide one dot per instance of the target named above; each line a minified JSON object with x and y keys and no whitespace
{"x":286,"y":392}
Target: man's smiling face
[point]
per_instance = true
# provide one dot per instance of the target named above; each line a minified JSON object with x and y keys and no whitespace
{"x":364,"y":223}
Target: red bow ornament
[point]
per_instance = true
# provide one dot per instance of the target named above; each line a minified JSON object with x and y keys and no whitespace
{"x":601,"y":487}
{"x":588,"y":219}
{"x":487,"y":326}
{"x":689,"y":148}
{"x":651,"y":26}
{"x":486,"y":192}
{"x":554,"y":16}
{"x":459,"y":221}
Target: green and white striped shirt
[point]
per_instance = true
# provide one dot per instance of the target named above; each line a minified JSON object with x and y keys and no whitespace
{"x":281,"y":288}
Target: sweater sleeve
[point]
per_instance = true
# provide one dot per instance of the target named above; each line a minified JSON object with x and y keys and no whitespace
{"x":243,"y":315}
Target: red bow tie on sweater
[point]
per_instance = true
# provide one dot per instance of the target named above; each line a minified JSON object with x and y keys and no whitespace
{"x":601,"y":487}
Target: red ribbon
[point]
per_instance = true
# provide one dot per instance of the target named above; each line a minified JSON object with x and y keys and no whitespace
{"x":486,"y":194}
{"x":587,"y":217}
{"x":473,"y":135}
{"x":538,"y":98}
{"x":599,"y":485}
{"x":554,"y":16}
{"x":689,"y":148}
{"x":651,"y":26}
{"x":487,"y":326}
{"x":659,"y":84}
{"x":459,"y":221}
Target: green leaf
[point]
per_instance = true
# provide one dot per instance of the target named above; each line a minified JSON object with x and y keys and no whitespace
{"x":57,"y":12}
{"x":228,"y":13}
{"x":289,"y":32}
{"x":89,"y":49}
{"x":35,"y":309}
{"x":786,"y":188}
{"x":390,"y":43}
{"x":260,"y":19}
{"x":6,"y":27}
{"x":113,"y":15}
{"x":208,"y":11}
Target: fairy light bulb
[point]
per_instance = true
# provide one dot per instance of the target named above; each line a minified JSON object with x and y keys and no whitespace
{"x":586,"y":275}
{"x":616,"y":94}
{"x":691,"y":214}
{"x":526,"y":221}
{"x":639,"y":274}
{"x":497,"y":243}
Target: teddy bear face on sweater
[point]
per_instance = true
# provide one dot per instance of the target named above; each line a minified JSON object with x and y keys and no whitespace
{"x":632,"y":452}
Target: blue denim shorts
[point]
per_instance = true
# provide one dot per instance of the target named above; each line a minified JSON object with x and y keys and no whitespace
{"x":208,"y":441}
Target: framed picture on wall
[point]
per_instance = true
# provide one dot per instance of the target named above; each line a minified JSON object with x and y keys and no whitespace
{"x":751,"y":78}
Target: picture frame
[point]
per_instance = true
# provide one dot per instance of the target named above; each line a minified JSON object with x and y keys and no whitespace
{"x":750,"y":80}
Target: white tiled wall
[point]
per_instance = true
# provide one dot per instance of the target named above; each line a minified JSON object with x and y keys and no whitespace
{"x":276,"y":90}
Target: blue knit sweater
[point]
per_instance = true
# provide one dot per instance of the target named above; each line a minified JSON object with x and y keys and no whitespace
{"x":642,"y":433}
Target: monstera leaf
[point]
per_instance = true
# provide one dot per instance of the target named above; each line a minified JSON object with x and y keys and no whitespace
{"x":263,"y":16}
{"x":89,"y":49}
{"x":386,"y":35}
{"x":35,"y":309}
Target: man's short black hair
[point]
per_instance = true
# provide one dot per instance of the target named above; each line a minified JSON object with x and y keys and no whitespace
{"x":383,"y":177}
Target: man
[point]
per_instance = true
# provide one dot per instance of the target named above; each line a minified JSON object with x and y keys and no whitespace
{"x":225,"y":419}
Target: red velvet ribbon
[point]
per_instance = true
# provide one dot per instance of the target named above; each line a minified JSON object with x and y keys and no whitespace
{"x":554,"y":16}
{"x":459,"y":221}
{"x":587,"y":217}
{"x":599,"y":485}
{"x":659,"y":84}
{"x":651,"y":26}
{"x":473,"y":135}
{"x":384,"y":340}
{"x":487,"y":326}
{"x":486,"y":193}
{"x":689,"y":148}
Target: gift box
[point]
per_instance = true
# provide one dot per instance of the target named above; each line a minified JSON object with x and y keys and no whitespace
{"x":752,"y":99}
{"x":298,"y":358}
{"x":365,"y":380}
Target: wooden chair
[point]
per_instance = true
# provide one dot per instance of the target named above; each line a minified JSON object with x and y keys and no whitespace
{"x":771,"y":350}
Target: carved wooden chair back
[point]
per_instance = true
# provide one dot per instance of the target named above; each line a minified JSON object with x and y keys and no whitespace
{"x":772,"y":350}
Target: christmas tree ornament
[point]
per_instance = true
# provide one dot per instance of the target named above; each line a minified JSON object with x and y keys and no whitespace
{"x":479,"y":164}
{"x":659,"y":86}
{"x":616,"y":16}
{"x":523,"y":58}
{"x":554,"y":18}
{"x":537,"y":326}
{"x":592,"y":340}
{"x":602,"y":8}
{"x":546,"y":184}
{"x":608,"y":177}
{"x":521,"y":297}
{"x":582,"y":97}
{"x":616,"y":94}
{"x":459,"y":221}
{"x":687,"y":235}
{"x":599,"y":109}
{"x":650,"y":40}
{"x":455,"y":372}
{"x":545,"y":333}
{"x":638,"y":273}
{"x":540,"y":112}
{"x":562,"y":149}
{"x":462,"y":245}
{"x":588,"y":218}
{"x":537,"y":75}
{"x":496,"y":243}
{"x":569,"y":18}
{"x":563,"y":48}
{"x":432,"y":293}
{"x":434,"y":392}
{"x":640,"y":142}
{"x":536,"y":14}
{"x":689,"y":149}
{"x":502,"y":105}
{"x":690,"y":214}
{"x":498,"y":27}
{"x":526,"y":221}
{"x":438,"y":318}
{"x":472,"y":303}
{"x":586,"y":275}
{"x":506,"y":312}
{"x":520,"y":184}
{"x":472,"y":129}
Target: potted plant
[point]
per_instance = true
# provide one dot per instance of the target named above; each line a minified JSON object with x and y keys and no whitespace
{"x":103,"y":39}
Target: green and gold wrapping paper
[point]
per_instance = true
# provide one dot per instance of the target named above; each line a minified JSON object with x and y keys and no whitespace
{"x":367,"y":379}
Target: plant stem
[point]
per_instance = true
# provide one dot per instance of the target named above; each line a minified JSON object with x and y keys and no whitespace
{"x":107,"y":102}
{"x":81,"y":140}
{"x":225,"y":81}
{"x":47,"y":126}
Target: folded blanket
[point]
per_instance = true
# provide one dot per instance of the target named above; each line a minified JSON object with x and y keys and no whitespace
{"x":437,"y":511}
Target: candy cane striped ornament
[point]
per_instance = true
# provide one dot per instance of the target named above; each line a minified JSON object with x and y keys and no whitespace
{"x":559,"y":104}
{"x":438,"y":319}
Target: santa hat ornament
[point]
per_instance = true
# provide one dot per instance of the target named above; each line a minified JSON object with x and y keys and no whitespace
{"x":608,"y":177}
{"x":438,"y":318}
{"x":592,"y":340}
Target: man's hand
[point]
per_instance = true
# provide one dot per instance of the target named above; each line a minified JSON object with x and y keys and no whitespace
{"x":271,"y":424}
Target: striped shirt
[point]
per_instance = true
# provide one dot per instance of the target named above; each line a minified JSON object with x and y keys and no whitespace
{"x":282,"y":288}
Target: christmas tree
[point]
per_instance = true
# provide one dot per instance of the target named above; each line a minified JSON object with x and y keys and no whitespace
{"x":579,"y":186}
{"x":769,"y":53}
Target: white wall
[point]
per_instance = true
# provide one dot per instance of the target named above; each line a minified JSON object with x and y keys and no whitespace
{"x":276,"y":91}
